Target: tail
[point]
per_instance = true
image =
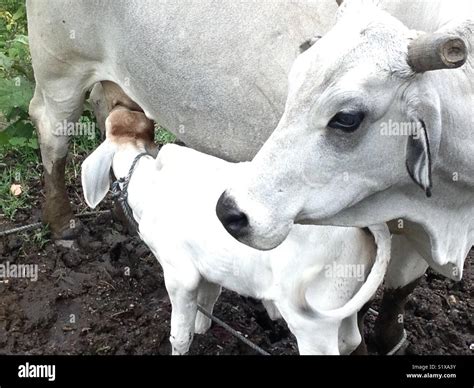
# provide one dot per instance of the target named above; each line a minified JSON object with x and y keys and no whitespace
{"x":383,"y":241}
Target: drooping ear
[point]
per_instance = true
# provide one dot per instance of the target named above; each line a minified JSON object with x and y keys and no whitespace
{"x":423,"y":108}
{"x":95,"y":173}
{"x":418,"y":157}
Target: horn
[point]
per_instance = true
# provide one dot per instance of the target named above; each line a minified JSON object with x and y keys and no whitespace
{"x":436,"y":51}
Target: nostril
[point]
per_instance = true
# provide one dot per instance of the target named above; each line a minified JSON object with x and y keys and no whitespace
{"x":237,"y":221}
{"x":234,"y":221}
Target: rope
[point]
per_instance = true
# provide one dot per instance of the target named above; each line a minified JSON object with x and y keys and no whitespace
{"x":37,"y":225}
{"x":232,"y":331}
{"x":120,"y":194}
{"x":400,"y":343}
{"x":374,"y":312}
{"x":90,"y":214}
{"x":20,"y":229}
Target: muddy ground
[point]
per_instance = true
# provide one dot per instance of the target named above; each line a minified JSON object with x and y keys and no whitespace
{"x":85,"y":302}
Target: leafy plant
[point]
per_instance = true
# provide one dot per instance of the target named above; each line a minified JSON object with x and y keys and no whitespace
{"x":24,"y":173}
{"x":40,"y":237}
{"x":163,"y":136}
{"x":16,"y":77}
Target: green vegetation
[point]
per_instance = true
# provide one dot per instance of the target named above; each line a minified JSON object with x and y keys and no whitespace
{"x":163,"y":136}
{"x":16,"y":77}
{"x":18,"y":141}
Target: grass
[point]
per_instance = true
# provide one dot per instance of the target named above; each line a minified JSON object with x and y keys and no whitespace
{"x":79,"y":148}
{"x":163,"y":136}
{"x":39,"y":238}
{"x":25,"y":172}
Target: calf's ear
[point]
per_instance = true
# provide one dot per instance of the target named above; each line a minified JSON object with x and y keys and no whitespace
{"x":95,"y":173}
{"x":423,"y":108}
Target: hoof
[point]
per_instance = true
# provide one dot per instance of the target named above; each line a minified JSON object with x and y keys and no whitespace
{"x":202,"y":325}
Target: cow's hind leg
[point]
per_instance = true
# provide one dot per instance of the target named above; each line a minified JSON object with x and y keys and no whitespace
{"x":207,"y":297}
{"x":55,"y":109}
{"x":272,"y":309}
{"x":361,"y":349}
{"x":316,"y":338}
{"x":404,"y":272}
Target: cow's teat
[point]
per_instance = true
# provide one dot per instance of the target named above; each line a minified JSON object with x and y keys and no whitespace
{"x":124,"y":125}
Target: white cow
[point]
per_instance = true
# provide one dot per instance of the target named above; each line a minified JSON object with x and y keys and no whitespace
{"x":213,"y":73}
{"x":173,"y":200}
{"x":367,"y":124}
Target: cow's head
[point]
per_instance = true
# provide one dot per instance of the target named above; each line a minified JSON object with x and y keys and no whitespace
{"x":361,"y":119}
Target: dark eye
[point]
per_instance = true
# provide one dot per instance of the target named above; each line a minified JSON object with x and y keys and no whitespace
{"x":347,"y":121}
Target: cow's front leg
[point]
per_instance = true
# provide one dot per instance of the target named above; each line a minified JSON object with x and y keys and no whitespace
{"x":54,"y":116}
{"x":183,"y":316}
{"x":183,"y":292}
{"x":406,"y":268}
{"x":207,"y":297}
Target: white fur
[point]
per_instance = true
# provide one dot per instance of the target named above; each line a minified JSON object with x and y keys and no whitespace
{"x":173,"y":199}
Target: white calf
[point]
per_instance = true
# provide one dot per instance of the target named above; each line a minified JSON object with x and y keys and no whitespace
{"x":173,"y":200}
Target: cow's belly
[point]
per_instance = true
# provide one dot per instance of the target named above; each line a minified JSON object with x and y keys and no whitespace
{"x":214,"y":75}
{"x":212,"y":72}
{"x":222,"y":114}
